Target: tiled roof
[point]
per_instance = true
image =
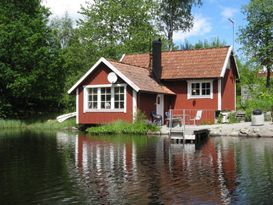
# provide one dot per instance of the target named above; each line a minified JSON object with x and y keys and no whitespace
{"x":198,"y":63}
{"x":140,"y":77}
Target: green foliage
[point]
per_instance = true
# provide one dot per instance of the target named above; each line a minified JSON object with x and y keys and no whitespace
{"x":140,"y":126}
{"x":257,"y":36}
{"x":175,"y":15}
{"x":63,"y":29}
{"x":31,"y":74}
{"x":262,"y":99}
{"x":214,"y":43}
{"x":116,"y":27}
{"x":38,"y":125}
{"x":11,"y":124}
{"x":121,"y":127}
{"x":232,"y":118}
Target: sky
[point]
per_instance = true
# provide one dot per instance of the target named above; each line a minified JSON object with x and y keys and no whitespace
{"x":210,"y":19}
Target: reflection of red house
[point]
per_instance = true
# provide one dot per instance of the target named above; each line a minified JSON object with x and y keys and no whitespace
{"x":211,"y":166}
{"x":190,"y":79}
{"x":88,"y":149}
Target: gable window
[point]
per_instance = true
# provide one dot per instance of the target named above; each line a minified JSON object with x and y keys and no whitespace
{"x":105,"y":98}
{"x":200,"y":89}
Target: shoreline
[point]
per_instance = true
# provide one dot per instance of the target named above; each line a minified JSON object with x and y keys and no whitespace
{"x":241,"y":129}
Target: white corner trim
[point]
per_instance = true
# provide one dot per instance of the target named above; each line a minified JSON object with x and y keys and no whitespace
{"x":134,"y":105}
{"x":111,"y":67}
{"x":235,"y":94}
{"x":122,"y":57}
{"x":77,"y":106}
{"x":223,"y":71}
{"x":236,"y":68}
{"x":189,"y":84}
{"x":219,"y":94}
{"x":125,"y":98}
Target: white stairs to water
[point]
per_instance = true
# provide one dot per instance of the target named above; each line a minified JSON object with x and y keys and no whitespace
{"x":64,"y":117}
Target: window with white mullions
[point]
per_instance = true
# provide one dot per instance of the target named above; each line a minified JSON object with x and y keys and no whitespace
{"x":93,"y":98}
{"x":205,"y":88}
{"x":200,"y":89}
{"x":119,"y":97}
{"x":195,"y":89}
{"x":105,"y":98}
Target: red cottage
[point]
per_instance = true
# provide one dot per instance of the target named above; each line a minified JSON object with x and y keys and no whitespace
{"x":183,"y":81}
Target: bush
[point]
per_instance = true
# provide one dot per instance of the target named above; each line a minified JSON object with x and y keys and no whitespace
{"x":262,"y":100}
{"x":121,"y":127}
{"x":140,"y":126}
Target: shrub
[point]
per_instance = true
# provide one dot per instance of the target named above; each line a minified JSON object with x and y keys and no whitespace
{"x":140,"y":126}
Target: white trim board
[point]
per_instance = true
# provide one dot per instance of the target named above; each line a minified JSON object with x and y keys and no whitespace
{"x":77,"y":106}
{"x":134,"y":105}
{"x":219,"y":107}
{"x":227,"y":59}
{"x":122,"y":57}
{"x":111,"y":67}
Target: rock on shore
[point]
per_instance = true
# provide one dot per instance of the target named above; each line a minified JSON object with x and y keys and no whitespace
{"x":242,"y":129}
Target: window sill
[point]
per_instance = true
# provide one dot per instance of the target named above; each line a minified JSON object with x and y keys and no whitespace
{"x":200,"y":97}
{"x":105,"y":110}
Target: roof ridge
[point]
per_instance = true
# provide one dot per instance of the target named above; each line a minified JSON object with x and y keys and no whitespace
{"x":185,"y":50}
{"x":129,"y":64}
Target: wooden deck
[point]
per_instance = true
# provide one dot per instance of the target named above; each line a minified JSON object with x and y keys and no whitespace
{"x":192,"y":134}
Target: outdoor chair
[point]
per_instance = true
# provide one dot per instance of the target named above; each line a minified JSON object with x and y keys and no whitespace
{"x":156,"y":119}
{"x":197,"y":117}
{"x":171,"y":120}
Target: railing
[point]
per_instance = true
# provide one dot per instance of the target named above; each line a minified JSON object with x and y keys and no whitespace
{"x":187,"y":116}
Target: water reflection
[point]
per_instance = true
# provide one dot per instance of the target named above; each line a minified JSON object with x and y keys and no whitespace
{"x":67,"y":168}
{"x":156,"y":172}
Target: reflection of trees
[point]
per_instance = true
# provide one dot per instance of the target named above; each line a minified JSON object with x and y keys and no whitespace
{"x":33,"y":169}
{"x":255,"y":171}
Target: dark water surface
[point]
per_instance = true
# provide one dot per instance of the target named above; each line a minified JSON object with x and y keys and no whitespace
{"x":61,"y":168}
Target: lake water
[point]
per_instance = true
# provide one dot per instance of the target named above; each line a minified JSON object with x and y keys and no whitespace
{"x":61,"y":168}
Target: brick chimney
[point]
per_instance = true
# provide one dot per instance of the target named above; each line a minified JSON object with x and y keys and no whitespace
{"x":156,"y":60}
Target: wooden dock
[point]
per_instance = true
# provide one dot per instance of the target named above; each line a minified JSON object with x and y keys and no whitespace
{"x":188,"y":135}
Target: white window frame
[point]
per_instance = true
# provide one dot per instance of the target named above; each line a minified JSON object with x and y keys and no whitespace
{"x":112,"y":86}
{"x":189,"y":84}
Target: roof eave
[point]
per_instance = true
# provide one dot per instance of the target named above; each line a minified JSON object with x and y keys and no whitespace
{"x":110,"y":66}
{"x":224,"y":68}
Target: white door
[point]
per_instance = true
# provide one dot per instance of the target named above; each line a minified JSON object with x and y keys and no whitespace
{"x":160,"y":105}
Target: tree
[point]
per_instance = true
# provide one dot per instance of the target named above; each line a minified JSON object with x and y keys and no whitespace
{"x":114,"y":27}
{"x":176,"y":15}
{"x":214,"y":43}
{"x":257,"y":36}
{"x":31,"y":74}
{"x":63,"y":28}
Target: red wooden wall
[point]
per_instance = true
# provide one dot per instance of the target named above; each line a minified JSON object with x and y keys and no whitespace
{"x":99,"y":76}
{"x":147,"y":103}
{"x":228,"y":88}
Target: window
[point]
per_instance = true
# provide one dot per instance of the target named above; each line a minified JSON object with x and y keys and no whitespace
{"x":93,"y":98}
{"x":106,"y":98}
{"x":119,"y":97}
{"x":105,"y":94}
{"x":200,"y":89}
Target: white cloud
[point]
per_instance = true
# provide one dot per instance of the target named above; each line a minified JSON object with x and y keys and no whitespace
{"x":228,"y":12}
{"x":201,"y":26}
{"x":59,"y":7}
